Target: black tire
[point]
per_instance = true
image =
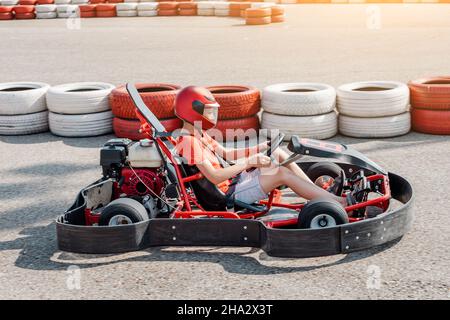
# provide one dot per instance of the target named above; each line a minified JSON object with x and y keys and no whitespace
{"x":323,"y":169}
{"x":129,"y":208}
{"x":317,"y":214}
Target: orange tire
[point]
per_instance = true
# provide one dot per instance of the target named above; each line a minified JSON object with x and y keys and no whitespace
{"x":278,"y":18}
{"x":105,"y":7}
{"x":124,"y":128}
{"x":258,"y":12}
{"x":187,"y":12}
{"x":236,"y":101}
{"x":23,"y":9}
{"x":4,"y":9}
{"x":29,"y":15}
{"x":258,"y":21}
{"x":27,"y":2}
{"x":45,"y":1}
{"x":431,"y":121}
{"x":87,"y":14}
{"x":172,"y":12}
{"x":168,"y":6}
{"x":236,"y":129}
{"x":243,"y":6}
{"x":159,"y":98}
{"x":235,"y":13}
{"x":6,"y":16}
{"x":187,"y":5}
{"x":235,"y":6}
{"x":97,"y":1}
{"x":277,"y":10}
{"x":430,"y":93}
{"x":106,"y":14}
{"x":87,"y":7}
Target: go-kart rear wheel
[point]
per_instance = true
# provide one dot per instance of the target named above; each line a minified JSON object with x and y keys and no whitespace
{"x":323,"y":173}
{"x":322,"y":213}
{"x":123,"y":211}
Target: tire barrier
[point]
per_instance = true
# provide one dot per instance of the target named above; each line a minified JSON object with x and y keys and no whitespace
{"x":277,"y":14}
{"x":159,"y":98}
{"x":23,"y":108}
{"x":50,"y":9}
{"x":373,"y":109}
{"x":80,"y":125}
{"x":305,"y":109}
{"x":257,"y":16}
{"x":430,"y":105}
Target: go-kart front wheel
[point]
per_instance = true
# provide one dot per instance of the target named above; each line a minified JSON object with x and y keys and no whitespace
{"x":322,"y":213}
{"x":323,"y":173}
{"x":123,"y":211}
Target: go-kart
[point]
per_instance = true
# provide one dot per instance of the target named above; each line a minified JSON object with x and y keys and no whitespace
{"x":146,"y":184}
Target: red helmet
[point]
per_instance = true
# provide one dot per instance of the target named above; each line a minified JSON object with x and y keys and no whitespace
{"x":190,"y":104}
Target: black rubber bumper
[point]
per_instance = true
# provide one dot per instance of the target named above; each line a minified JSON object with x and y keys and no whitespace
{"x":246,"y":233}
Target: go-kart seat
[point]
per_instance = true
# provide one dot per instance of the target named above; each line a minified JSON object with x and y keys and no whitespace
{"x":210,"y":197}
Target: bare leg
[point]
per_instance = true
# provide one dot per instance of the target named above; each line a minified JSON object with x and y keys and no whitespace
{"x":281,"y":155}
{"x":272,"y":178}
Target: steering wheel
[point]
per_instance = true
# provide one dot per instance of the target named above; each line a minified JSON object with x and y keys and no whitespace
{"x":273,"y":145}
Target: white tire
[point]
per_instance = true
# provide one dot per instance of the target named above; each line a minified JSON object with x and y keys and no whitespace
{"x":9,"y":2}
{"x":22,"y":97}
{"x":147,"y":13}
{"x":221,"y":12}
{"x":314,"y":127}
{"x":299,"y":99}
{"x":59,"y":2}
{"x":127,"y":13}
{"x":42,"y":8}
{"x":381,"y":127}
{"x":149,"y":6}
{"x":373,"y":99}
{"x":205,"y":12}
{"x":222,"y":5}
{"x":67,"y":8}
{"x":68,"y":14}
{"x":263,"y":4}
{"x":84,"y":125}
{"x":126,"y":6}
{"x":205,"y":5}
{"x":79,"y":98}
{"x":46,"y":15}
{"x":80,"y":1}
{"x":24,"y":124}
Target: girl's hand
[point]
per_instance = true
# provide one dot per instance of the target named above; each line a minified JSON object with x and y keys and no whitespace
{"x":259,"y":161}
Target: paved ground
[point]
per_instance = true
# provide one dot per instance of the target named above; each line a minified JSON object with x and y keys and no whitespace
{"x":41,"y":174}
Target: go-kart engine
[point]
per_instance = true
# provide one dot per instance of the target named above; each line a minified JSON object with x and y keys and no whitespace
{"x":139,"y":182}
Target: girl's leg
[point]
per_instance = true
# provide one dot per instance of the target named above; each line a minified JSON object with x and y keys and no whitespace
{"x":272,"y":178}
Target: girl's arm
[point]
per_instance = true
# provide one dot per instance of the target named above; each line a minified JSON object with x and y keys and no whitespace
{"x":232,"y":154}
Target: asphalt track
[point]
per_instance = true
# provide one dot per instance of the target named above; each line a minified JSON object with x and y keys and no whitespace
{"x":335,"y":44}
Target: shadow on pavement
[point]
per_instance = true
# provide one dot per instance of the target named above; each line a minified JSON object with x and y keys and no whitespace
{"x":38,"y":252}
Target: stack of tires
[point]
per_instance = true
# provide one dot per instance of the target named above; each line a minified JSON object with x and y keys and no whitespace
{"x":303,"y":109}
{"x":87,"y":10}
{"x":147,"y":9}
{"x":277,"y":14}
{"x":205,"y":8}
{"x":24,"y":12}
{"x":80,"y":109}
{"x":187,"y":8}
{"x":244,"y":6}
{"x":238,"y":110}
{"x":46,"y":11}
{"x":67,"y":11}
{"x":158,"y":97}
{"x":373,"y":109}
{"x":126,"y":9}
{"x":258,"y":16}
{"x":6,"y":13}
{"x":168,"y":8}
{"x":105,"y":10}
{"x":23,"y":109}
{"x":235,"y":9}
{"x":222,"y":9}
{"x":430,"y":105}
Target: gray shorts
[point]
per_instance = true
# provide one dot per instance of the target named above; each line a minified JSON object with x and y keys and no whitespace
{"x":248,"y":188}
